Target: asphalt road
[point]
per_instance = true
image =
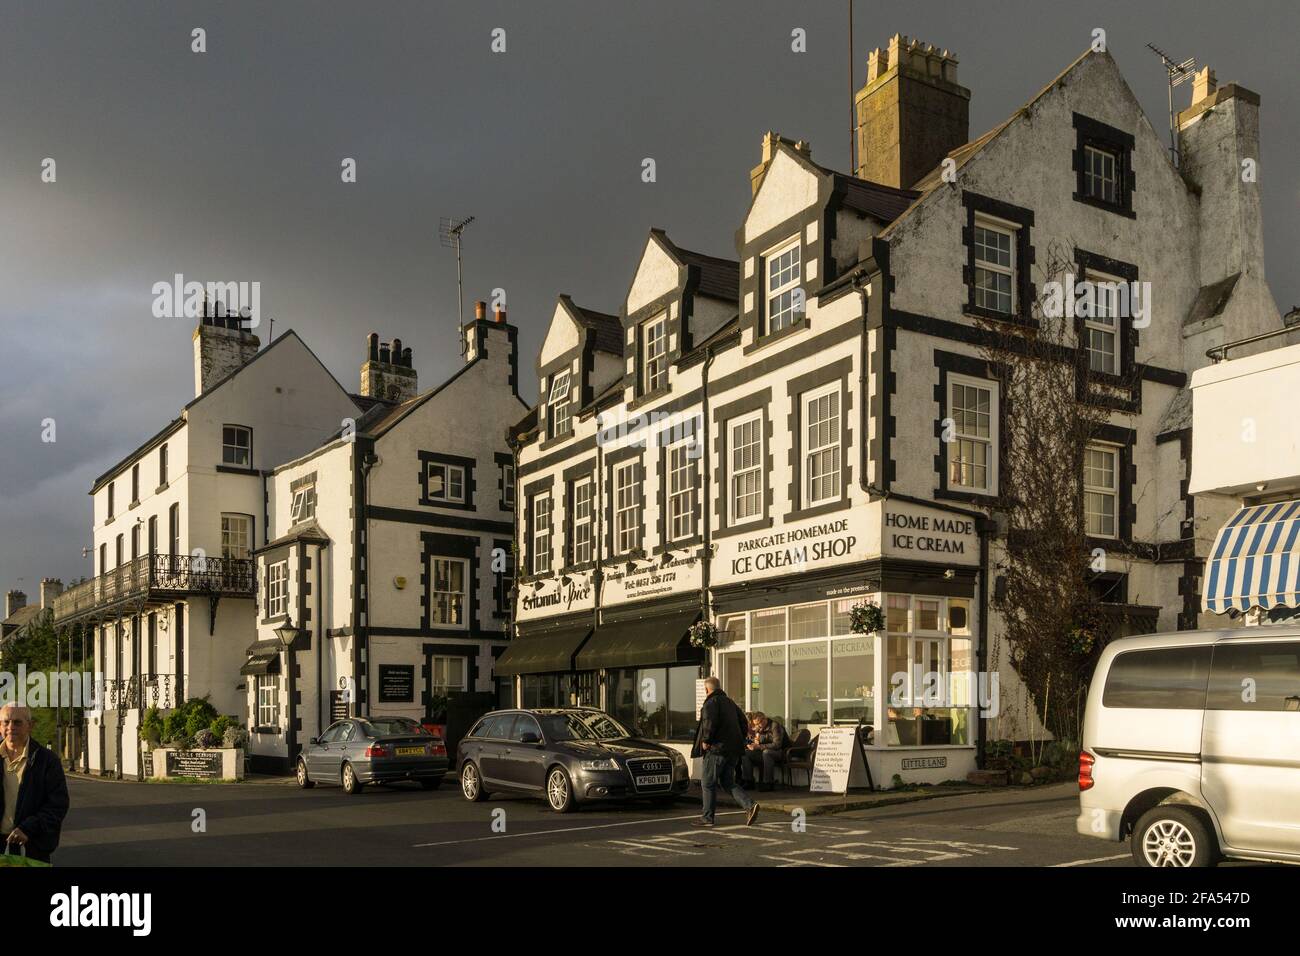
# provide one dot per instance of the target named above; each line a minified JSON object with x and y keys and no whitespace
{"x":129,"y":824}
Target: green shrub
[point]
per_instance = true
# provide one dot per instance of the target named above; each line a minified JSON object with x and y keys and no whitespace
{"x":221,"y":725}
{"x":152,"y":726}
{"x":199,"y":715}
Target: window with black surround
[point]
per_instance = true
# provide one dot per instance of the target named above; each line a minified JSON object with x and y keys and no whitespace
{"x":559,"y":405}
{"x":968,"y":428}
{"x":502,"y":581}
{"x":540,"y":532}
{"x":1103,"y":321}
{"x":625,"y":503}
{"x":782,"y":273}
{"x":654,"y":354}
{"x":999,"y":256}
{"x":582,"y":520}
{"x":1103,"y":166}
{"x":1106,"y":485}
{"x":446,"y":481}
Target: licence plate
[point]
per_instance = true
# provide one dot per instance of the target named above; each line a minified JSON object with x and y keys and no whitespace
{"x":410,"y":751}
{"x":656,"y":780}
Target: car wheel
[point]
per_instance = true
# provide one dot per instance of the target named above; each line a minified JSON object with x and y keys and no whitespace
{"x":431,"y":783}
{"x":559,"y":792}
{"x":351,"y":785}
{"x":471,"y":785}
{"x":1171,"y":835}
{"x":304,"y":781}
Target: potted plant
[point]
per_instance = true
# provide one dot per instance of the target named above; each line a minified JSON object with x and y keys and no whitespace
{"x":704,"y":635}
{"x":866,"y":618}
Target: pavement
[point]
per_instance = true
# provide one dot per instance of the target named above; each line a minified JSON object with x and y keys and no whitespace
{"x":270,"y":822}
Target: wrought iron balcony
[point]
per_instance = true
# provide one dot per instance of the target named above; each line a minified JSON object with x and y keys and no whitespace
{"x":153,"y":580}
{"x":139,"y":692}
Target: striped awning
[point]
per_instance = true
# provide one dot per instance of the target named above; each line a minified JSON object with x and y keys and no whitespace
{"x":1255,"y":561}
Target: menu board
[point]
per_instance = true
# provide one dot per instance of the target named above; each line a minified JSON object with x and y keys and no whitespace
{"x":837,"y":748}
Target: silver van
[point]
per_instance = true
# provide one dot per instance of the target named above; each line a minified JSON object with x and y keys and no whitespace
{"x":1191,"y":746}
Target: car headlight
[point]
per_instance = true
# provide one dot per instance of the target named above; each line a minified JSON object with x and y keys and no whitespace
{"x":678,"y":759}
{"x":609,"y":763}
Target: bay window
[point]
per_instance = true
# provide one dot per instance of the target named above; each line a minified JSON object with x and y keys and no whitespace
{"x":277,"y":589}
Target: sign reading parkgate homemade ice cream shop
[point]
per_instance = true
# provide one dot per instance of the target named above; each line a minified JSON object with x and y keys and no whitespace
{"x":792,"y":548}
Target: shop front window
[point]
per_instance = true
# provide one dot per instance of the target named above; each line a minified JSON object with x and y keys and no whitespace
{"x":658,"y":703}
{"x":558,"y":690}
{"x":853,"y":680}
{"x":767,"y":680}
{"x":808,"y":686}
{"x":929,"y":675}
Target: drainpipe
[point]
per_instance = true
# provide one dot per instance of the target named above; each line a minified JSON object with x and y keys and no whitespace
{"x":321,"y":631}
{"x":984,"y":525}
{"x":368,"y":461}
{"x":597,"y":571}
{"x":706,"y":559}
{"x":516,"y":685}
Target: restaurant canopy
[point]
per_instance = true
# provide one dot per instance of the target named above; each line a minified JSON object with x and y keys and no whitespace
{"x":1255,"y":561}
{"x":641,"y":642}
{"x":542,"y":652}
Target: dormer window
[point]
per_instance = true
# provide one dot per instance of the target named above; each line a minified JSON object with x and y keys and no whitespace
{"x":304,"y":504}
{"x":654,"y":354}
{"x":559,"y":405}
{"x":782,"y":272}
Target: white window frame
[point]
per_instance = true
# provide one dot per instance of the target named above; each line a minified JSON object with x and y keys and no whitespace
{"x":583,"y":528}
{"x":508,"y":484}
{"x":277,"y":589}
{"x":1095,"y":180}
{"x":734,"y":474}
{"x":441,"y":612}
{"x":627,"y":506}
{"x":267,"y":689}
{"x":440,"y":673}
{"x":228,"y":520}
{"x":303,"y":507}
{"x":982,"y":293}
{"x":559,"y":418}
{"x":814,"y":448}
{"x":654,"y":353}
{"x":236,"y":455}
{"x":1103,"y":321}
{"x":540,"y":545}
{"x":683,"y":483}
{"x":453,"y":478}
{"x":962,"y":434}
{"x":787,"y":277}
{"x":1111,"y":492}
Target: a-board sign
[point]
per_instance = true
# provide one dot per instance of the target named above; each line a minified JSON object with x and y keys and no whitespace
{"x":701,"y":692}
{"x":837,"y":749}
{"x":338,"y":706}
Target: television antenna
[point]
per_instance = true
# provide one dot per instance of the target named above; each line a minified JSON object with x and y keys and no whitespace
{"x":1178,"y":74}
{"x":449,"y":233}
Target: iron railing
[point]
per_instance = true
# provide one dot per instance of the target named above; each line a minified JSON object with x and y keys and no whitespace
{"x":157,"y":577}
{"x":140,"y":691}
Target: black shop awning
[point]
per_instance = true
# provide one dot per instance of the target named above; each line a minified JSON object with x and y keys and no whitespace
{"x":542,"y":652}
{"x":649,"y":640}
{"x":262,"y":664}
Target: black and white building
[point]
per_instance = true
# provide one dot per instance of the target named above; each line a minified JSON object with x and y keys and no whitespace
{"x":759,"y":442}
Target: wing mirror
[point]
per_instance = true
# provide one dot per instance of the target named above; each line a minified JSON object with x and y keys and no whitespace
{"x":528,"y":737}
{"x":313,"y":742}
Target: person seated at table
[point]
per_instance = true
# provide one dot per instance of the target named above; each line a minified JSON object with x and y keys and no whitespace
{"x":764,"y":751}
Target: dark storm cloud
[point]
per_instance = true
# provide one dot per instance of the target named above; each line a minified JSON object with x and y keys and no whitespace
{"x":225,"y":165}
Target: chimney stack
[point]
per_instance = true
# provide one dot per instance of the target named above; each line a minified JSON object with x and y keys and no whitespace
{"x":50,"y":589}
{"x":387,"y":372}
{"x":221,"y":346}
{"x":911,"y":112}
{"x":13,"y":601}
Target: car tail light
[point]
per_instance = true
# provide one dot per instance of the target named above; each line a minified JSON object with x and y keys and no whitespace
{"x":378,"y":750}
{"x":1086,"y":760}
{"x":439,"y":748}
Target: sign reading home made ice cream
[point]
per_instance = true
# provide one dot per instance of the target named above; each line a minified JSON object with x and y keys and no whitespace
{"x":796,"y":547}
{"x":928,"y":534}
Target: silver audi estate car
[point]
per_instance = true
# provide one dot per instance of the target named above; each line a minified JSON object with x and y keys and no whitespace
{"x":1191,"y":746}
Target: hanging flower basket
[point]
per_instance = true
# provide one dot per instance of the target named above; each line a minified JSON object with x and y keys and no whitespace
{"x":703,"y":634}
{"x":866,"y":618}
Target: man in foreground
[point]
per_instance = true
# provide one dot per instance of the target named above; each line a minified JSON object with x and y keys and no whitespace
{"x":35,"y":790}
{"x":720,"y":740}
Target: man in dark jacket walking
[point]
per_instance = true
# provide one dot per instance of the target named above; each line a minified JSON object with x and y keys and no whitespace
{"x":34,"y":788}
{"x":720,"y":740}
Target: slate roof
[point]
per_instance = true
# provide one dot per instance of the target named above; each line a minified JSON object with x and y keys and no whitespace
{"x":307,"y":531}
{"x":719,"y":277}
{"x":607,"y":328}
{"x":876,"y":200}
{"x":1211,"y":299}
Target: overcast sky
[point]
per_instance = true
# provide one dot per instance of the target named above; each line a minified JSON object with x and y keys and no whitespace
{"x":226,"y":166}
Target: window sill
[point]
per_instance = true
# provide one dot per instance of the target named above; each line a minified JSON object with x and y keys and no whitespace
{"x":236,"y":470}
{"x":821,"y":509}
{"x":746,"y":528}
{"x":1006,"y":318}
{"x":771,"y":338}
{"x":649,"y":397}
{"x":133,"y":505}
{"x":1125,"y":210}
{"x":970,"y":496}
{"x":161,"y":488}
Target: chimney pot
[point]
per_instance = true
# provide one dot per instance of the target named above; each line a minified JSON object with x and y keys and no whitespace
{"x":406,"y":357}
{"x":500,"y":314}
{"x":480,"y":310}
{"x":385,"y":356}
{"x":397,"y":351}
{"x":372,"y":346}
{"x":1203,"y":85}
